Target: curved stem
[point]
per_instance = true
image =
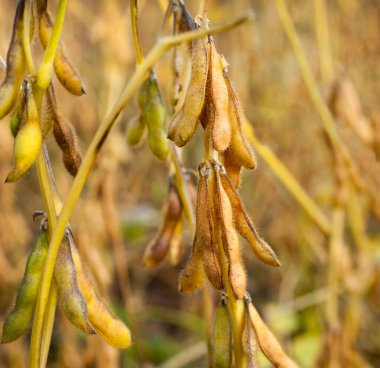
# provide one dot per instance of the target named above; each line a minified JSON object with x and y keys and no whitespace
{"x":135,"y":32}
{"x":101,"y":135}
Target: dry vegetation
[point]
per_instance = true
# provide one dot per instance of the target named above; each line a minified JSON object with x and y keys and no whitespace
{"x":314,"y":196}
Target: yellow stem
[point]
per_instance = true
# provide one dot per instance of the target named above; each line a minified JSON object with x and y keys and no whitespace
{"x":289,"y":181}
{"x":135,"y":32}
{"x":183,"y":190}
{"x":126,"y":95}
{"x":45,"y":68}
{"x":323,"y":38}
{"x":26,"y":37}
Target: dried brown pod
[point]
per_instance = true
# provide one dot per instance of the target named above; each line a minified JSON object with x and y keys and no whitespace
{"x":231,"y":245}
{"x":184,"y":122}
{"x":66,"y":73}
{"x":218,"y":101}
{"x":70,"y":297}
{"x":64,"y":135}
{"x":240,"y":149}
{"x":267,"y":341}
{"x":244,"y":225}
{"x":211,"y":260}
{"x":193,"y":276}
{"x":159,"y":247}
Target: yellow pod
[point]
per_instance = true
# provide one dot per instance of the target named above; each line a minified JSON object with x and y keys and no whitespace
{"x":222,"y":337}
{"x":16,"y":65}
{"x":136,"y":130}
{"x":19,"y":319}
{"x":112,"y":330}
{"x":268,"y":343}
{"x":28,"y":141}
{"x":70,"y":297}
{"x":176,"y":246}
{"x":65,"y":71}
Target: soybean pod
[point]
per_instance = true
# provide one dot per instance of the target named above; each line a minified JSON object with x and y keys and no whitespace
{"x":19,"y":319}
{"x":15,"y":66}
{"x":112,"y":330}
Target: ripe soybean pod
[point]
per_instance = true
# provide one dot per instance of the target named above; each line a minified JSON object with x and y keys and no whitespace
{"x":210,"y":255}
{"x":268,"y":343}
{"x":154,"y":115}
{"x":65,"y":71}
{"x":193,"y":276}
{"x":112,"y":330}
{"x":222,"y":336}
{"x":18,"y":112}
{"x":219,"y":100}
{"x":19,"y":319}
{"x":28,"y":140}
{"x":184,"y":122}
{"x":236,"y":271}
{"x":70,"y":297}
{"x":159,"y":247}
{"x":240,"y":148}
{"x":16,"y":64}
{"x":245,"y":227}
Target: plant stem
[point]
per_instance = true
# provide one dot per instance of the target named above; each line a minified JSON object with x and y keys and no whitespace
{"x":326,"y":65}
{"x":135,"y":32}
{"x":26,"y":37}
{"x":101,"y":135}
{"x":45,"y":69}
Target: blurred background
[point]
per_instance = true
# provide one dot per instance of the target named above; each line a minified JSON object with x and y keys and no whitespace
{"x":119,"y":211}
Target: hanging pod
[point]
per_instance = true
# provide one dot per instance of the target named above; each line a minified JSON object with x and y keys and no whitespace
{"x":64,"y":134}
{"x":18,"y":321}
{"x":28,"y":140}
{"x":244,"y":225}
{"x":70,"y":297}
{"x":65,"y":71}
{"x":222,"y":336}
{"x":154,"y":115}
{"x":184,"y":122}
{"x":112,"y":330}
{"x":159,"y":247}
{"x":230,"y":239}
{"x":15,"y":66}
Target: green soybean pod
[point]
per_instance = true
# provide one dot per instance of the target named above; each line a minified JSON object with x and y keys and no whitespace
{"x":222,"y":337}
{"x":19,"y":319}
{"x":136,"y":130}
{"x":154,"y":115}
{"x":70,"y":297}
